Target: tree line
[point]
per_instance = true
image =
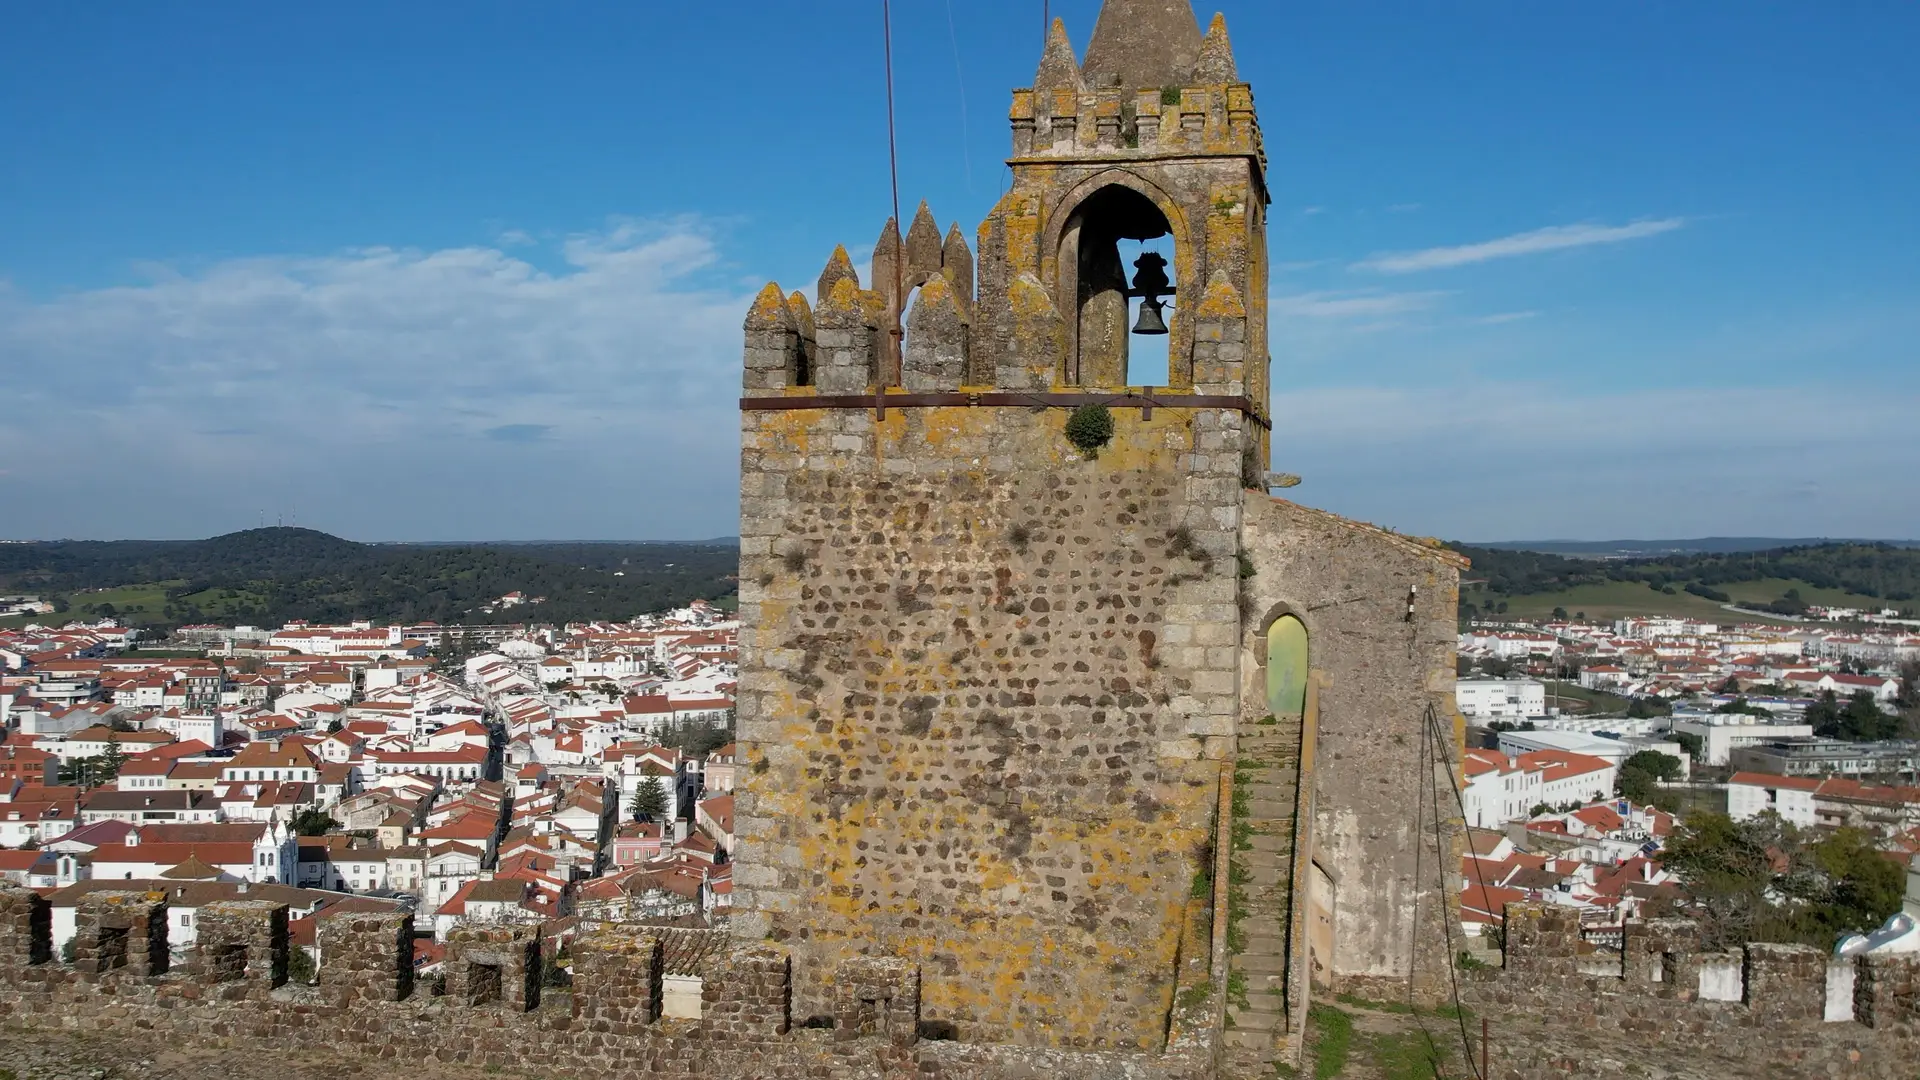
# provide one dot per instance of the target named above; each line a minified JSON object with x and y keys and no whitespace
{"x":275,"y":575}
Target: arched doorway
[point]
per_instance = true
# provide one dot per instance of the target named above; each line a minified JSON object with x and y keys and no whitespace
{"x":1287,"y":667}
{"x":1106,"y":243}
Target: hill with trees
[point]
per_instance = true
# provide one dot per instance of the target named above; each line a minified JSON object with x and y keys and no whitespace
{"x":269,"y":576}
{"x":1784,"y":581}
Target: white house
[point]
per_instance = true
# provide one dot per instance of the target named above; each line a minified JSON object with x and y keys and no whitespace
{"x":1499,"y":699}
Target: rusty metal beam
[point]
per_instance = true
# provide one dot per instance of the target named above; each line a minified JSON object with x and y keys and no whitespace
{"x":1146,"y":403}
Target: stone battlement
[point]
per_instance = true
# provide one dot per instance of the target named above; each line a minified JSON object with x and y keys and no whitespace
{"x":1770,"y":1009}
{"x":493,"y":1012}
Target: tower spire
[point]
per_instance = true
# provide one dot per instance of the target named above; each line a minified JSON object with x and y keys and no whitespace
{"x":1059,"y":70}
{"x":1216,"y":64}
{"x":1141,"y":44}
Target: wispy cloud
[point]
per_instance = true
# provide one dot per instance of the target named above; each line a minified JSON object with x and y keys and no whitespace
{"x":1552,"y":238}
{"x":1352,"y":305}
{"x":1506,"y":317}
{"x":355,"y":363}
{"x":520,"y":433}
{"x":1312,"y":211}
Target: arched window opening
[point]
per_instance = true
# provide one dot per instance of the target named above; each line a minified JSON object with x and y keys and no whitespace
{"x":1101,"y":262}
{"x":1287,"y":667}
{"x":1149,"y":360}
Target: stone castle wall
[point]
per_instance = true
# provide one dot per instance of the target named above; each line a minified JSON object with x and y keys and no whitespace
{"x":1560,"y":1010}
{"x":987,"y":686}
{"x":231,"y":990}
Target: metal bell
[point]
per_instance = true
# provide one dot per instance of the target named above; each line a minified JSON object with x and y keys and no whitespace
{"x":1151,"y":322}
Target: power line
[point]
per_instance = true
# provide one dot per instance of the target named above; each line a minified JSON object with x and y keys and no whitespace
{"x":960,"y":78}
{"x":892,"y":374}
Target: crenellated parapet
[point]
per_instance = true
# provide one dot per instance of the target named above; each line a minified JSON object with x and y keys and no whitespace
{"x":1764,"y":984}
{"x":231,"y":986}
{"x":1205,"y":110}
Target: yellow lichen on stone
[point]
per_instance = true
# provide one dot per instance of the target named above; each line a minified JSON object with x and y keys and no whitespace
{"x":1221,"y":300}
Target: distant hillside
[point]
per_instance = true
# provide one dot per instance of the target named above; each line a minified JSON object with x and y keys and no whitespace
{"x":1614,"y":549}
{"x":273,"y":575}
{"x":1782,"y":580}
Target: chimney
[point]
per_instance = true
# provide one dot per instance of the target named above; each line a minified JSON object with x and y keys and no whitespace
{"x":242,"y":888}
{"x":486,"y":875}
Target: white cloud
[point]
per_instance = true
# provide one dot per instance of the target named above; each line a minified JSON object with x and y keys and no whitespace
{"x":1506,"y":317}
{"x":1351,"y":305}
{"x":1552,"y":238}
{"x":445,"y":380}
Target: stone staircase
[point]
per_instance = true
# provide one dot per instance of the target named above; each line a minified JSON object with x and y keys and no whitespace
{"x":1266,"y":786}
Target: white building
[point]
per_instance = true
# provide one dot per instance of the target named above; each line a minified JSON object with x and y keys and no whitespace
{"x":1500,"y":699}
{"x":1720,"y":733}
{"x":1752,"y":794}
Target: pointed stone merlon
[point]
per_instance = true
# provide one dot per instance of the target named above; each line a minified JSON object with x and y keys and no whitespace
{"x":845,"y":343}
{"x":887,"y":267}
{"x":1216,"y":66}
{"x":1036,"y":349}
{"x":776,"y":353}
{"x":839,"y":268}
{"x":956,"y":262}
{"x":936,"y":344}
{"x":923,"y":247}
{"x":1219,"y":340}
{"x":1059,"y":67}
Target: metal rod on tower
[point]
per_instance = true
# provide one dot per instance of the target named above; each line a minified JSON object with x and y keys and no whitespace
{"x":891,"y":376}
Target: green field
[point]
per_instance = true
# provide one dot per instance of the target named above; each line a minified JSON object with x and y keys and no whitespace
{"x":136,"y":604}
{"x":1612,"y":600}
{"x":1620,"y":599}
{"x":1771,"y":589}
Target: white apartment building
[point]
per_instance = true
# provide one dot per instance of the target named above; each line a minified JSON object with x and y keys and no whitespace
{"x":1500,"y":699}
{"x":1720,"y":733}
{"x":1752,"y":794}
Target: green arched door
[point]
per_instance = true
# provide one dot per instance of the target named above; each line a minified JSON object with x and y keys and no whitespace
{"x":1286,"y":667}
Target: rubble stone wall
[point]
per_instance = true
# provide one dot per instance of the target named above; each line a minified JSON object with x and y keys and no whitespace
{"x":1547,"y":1019}
{"x":987,"y":682}
{"x":606,"y":1027}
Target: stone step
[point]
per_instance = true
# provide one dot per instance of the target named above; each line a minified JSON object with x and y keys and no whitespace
{"x":1259,"y":809}
{"x":1259,"y":963}
{"x":1264,"y":945}
{"x":1255,"y":1019}
{"x":1269,"y":875}
{"x":1249,"y":1040}
{"x":1268,"y":844}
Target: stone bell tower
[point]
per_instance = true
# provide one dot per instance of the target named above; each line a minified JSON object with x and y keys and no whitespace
{"x":997,"y":639}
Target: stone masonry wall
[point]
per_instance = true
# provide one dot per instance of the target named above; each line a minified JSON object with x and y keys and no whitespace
{"x":1379,"y":609}
{"x":605,"y":1028}
{"x":985,"y":684}
{"x":1547,"y":1019}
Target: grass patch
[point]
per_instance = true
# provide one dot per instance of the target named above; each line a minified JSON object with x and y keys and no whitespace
{"x":1409,"y":1056}
{"x":1332,"y":1040}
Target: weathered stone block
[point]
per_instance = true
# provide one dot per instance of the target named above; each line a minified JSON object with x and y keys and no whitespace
{"x":365,"y":957}
{"x":876,"y":995}
{"x":494,"y":966}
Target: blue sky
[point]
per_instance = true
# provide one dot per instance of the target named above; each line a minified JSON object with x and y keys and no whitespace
{"x":433,"y":271}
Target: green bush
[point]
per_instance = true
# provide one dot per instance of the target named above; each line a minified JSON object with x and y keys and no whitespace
{"x":1090,"y":428}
